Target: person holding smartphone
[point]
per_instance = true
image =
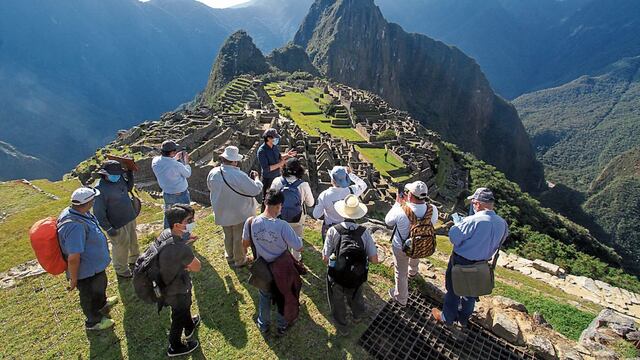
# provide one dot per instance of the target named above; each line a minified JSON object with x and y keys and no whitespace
{"x":172,"y":171}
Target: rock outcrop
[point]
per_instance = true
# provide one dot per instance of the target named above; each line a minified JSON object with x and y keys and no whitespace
{"x":238,"y":56}
{"x":291,"y":58}
{"x":351,"y":42}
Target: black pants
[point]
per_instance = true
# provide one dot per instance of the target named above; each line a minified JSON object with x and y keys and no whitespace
{"x":266,"y":185}
{"x":337,"y":295}
{"x":93,"y":297}
{"x":180,"y":318}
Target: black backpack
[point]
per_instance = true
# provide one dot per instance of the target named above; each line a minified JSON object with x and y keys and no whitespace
{"x":147,"y":281}
{"x":350,"y":270}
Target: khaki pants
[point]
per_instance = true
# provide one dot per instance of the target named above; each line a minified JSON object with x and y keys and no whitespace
{"x":124,"y":248}
{"x":403,"y":266}
{"x":233,"y":249}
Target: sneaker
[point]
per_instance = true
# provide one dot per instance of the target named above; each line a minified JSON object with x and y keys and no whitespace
{"x":263,"y":330}
{"x":393,"y":297}
{"x":183,"y":350}
{"x":196,"y":322}
{"x":109,"y":304}
{"x":104,"y":324}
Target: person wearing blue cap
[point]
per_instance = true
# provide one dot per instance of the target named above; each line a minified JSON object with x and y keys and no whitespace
{"x":341,"y":177}
{"x":270,"y":160}
{"x":475,"y":238}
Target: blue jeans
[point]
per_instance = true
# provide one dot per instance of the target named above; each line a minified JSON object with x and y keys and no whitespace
{"x":172,"y":199}
{"x":264,"y":312}
{"x":456,"y":308}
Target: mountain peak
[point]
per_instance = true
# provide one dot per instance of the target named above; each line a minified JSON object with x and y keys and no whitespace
{"x":238,"y":55}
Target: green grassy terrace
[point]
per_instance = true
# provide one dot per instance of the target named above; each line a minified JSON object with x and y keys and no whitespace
{"x":376,"y":157}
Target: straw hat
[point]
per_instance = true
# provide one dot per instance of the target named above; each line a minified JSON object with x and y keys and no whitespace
{"x":351,"y":207}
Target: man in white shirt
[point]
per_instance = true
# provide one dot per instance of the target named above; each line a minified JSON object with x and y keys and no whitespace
{"x":233,"y":201}
{"x":172,"y":171}
{"x":341,"y":176}
{"x":405,"y":266}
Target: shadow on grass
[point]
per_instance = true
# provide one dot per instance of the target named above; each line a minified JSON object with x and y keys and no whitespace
{"x":145,"y":329}
{"x":218,"y":301}
{"x":104,"y":342}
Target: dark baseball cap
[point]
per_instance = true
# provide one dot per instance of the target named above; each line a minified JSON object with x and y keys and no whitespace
{"x":483,"y":195}
{"x":111,"y":167}
{"x":169,"y":146}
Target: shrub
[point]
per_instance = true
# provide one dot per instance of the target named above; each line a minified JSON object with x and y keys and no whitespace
{"x":386,"y":135}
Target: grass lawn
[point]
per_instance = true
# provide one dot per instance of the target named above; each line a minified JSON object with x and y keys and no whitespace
{"x":25,"y":206}
{"x":376,"y":157}
{"x":46,"y":321}
{"x":300,"y":103}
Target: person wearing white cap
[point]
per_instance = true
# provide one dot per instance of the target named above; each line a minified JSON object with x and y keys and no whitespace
{"x":233,"y":201}
{"x":341,"y":177}
{"x":85,"y":247}
{"x":361,"y":251}
{"x":172,"y":170}
{"x":414,"y":201}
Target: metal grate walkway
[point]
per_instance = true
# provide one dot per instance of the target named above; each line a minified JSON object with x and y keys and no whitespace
{"x":412,"y":333}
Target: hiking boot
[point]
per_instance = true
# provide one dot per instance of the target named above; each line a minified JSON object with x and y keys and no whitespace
{"x":104,"y":324}
{"x":196,"y":322}
{"x":109,"y":304}
{"x":183,"y":350}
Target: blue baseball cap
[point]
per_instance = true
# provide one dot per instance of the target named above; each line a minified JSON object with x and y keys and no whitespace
{"x":340,"y":176}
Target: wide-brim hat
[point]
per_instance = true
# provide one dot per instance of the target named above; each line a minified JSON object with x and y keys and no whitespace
{"x":351,"y":207}
{"x":232,"y":153}
{"x":111,"y":167}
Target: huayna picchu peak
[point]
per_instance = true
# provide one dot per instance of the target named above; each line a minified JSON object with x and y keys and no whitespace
{"x":436,"y":83}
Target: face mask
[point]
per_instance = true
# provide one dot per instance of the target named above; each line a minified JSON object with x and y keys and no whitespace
{"x":190,"y":227}
{"x":472,"y":210}
{"x":276,"y":141}
{"x":113,"y":178}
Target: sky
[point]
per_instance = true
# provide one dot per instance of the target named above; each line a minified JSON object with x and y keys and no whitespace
{"x":218,"y":3}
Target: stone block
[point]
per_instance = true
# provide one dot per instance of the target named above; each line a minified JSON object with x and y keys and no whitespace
{"x":547,"y":267}
{"x":542,"y":347}
{"x":506,"y":303}
{"x":507,"y":328}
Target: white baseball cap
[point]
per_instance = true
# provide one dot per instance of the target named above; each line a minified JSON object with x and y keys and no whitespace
{"x":83,"y":195}
{"x":418,"y":189}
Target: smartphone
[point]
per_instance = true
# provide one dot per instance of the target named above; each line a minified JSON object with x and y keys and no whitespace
{"x":401,"y":190}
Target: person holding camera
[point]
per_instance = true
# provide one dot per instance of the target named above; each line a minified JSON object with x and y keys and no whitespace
{"x":172,"y":171}
{"x":233,"y":201}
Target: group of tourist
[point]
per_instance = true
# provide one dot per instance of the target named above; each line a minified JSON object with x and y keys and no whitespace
{"x":270,"y":243}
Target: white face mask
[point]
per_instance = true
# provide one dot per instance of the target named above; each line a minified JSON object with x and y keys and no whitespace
{"x":190,"y":227}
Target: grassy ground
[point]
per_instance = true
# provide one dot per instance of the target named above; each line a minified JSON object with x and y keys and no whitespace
{"x":376,"y":157}
{"x":303,"y":102}
{"x":25,"y":206}
{"x":222,"y":297}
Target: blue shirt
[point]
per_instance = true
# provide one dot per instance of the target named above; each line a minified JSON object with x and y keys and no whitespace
{"x":271,"y":237}
{"x":171,"y":174}
{"x":268,"y":156}
{"x":478,"y":236}
{"x":83,"y":236}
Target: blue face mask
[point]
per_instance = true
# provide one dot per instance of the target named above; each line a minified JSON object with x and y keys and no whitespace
{"x":276,"y":141}
{"x":471,"y":209}
{"x":113,"y":178}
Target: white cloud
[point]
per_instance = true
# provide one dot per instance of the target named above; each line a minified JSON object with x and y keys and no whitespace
{"x":218,"y":3}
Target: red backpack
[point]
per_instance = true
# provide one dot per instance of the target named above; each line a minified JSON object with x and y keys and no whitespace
{"x":44,"y":241}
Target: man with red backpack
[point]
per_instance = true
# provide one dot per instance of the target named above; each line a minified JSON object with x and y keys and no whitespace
{"x":85,"y":248}
{"x":413,"y":235}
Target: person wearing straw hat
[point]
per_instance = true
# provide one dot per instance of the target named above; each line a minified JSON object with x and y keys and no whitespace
{"x":341,"y":178}
{"x":415,"y":200}
{"x":233,"y":201}
{"x":117,"y":216}
{"x":348,"y":249}
{"x":85,"y":247}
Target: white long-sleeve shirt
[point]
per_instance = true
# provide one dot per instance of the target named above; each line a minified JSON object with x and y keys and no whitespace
{"x":230,"y":208}
{"x":306,"y":195}
{"x":327,"y":199}
{"x":397,"y":217}
{"x":171,"y":174}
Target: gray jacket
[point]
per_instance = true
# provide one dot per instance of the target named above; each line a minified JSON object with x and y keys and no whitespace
{"x":113,"y":206}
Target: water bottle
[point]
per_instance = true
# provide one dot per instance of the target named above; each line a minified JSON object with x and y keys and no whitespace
{"x":332,"y":260}
{"x":156,"y":290}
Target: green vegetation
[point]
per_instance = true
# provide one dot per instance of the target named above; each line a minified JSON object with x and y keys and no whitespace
{"x":85,"y":168}
{"x":539,"y":233}
{"x":300,"y":103}
{"x":25,"y":206}
{"x":386,"y":135}
{"x":226,"y":303}
{"x":626,"y":349}
{"x":234,"y":96}
{"x":376,"y":157}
